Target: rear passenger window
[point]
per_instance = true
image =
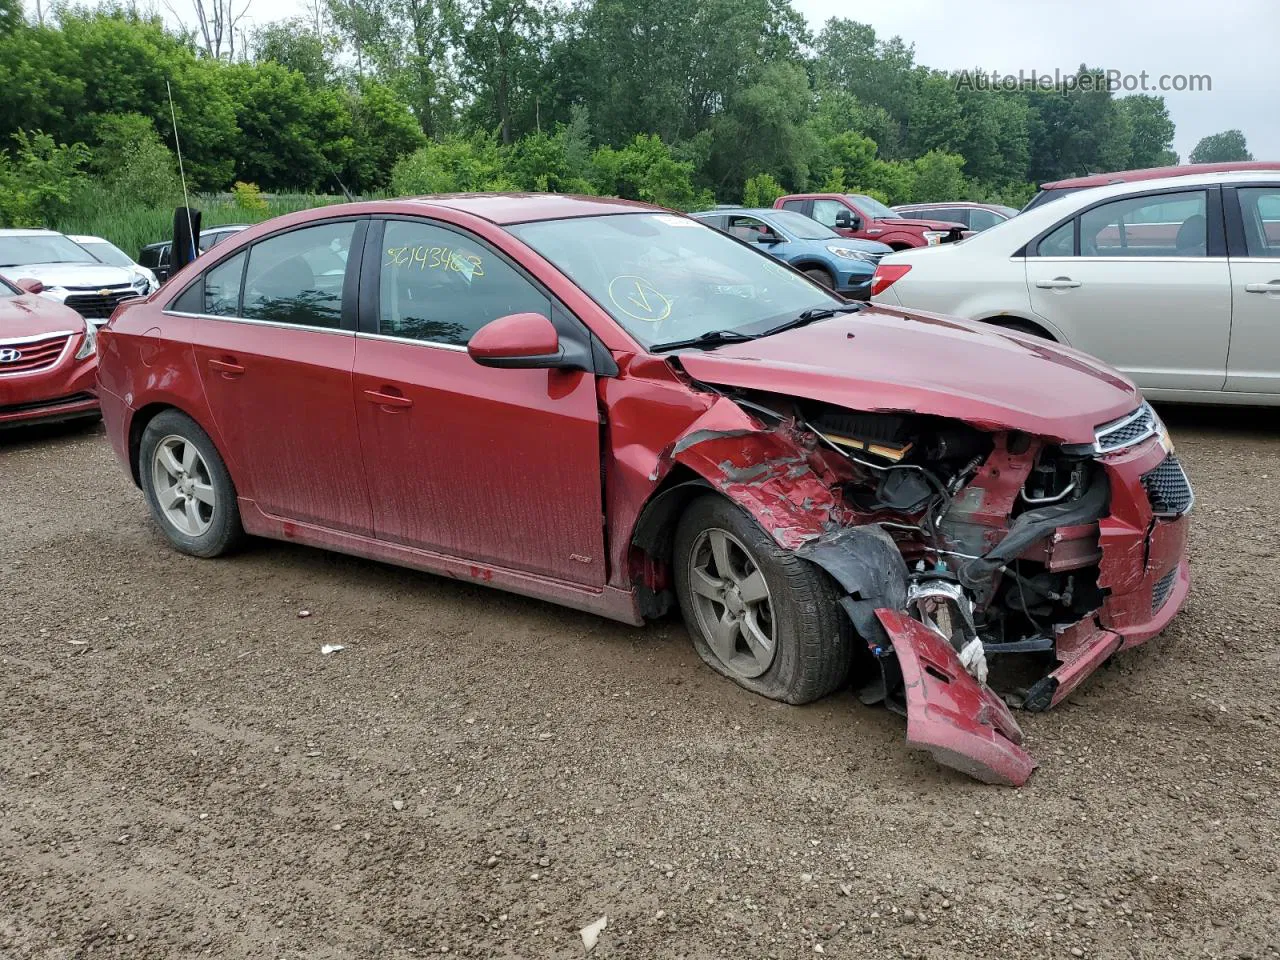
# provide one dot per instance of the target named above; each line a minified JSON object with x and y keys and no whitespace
{"x":222,"y":288}
{"x":1161,"y":225}
{"x":439,"y":286}
{"x":298,"y":277}
{"x":983,"y":219}
{"x":1060,"y":243}
{"x":1260,"y":210}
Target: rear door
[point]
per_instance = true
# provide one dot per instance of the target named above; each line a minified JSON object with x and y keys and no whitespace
{"x":276,"y":361}
{"x":500,"y":466}
{"x":1143,"y":283}
{"x":1253,"y":218}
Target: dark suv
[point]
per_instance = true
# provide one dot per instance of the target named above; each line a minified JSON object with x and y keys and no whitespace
{"x":157,"y":255}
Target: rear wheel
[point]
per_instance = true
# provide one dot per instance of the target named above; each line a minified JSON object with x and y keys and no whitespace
{"x":756,"y":613}
{"x":819,"y":275}
{"x":1021,"y":326}
{"x":187,"y":486}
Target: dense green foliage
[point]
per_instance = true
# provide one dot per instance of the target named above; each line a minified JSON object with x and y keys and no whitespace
{"x":682,"y":102}
{"x":1221,"y":147}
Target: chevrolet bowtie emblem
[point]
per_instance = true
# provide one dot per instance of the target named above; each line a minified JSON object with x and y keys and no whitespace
{"x":104,"y":293}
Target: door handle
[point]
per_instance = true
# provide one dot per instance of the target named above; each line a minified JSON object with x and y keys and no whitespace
{"x":388,"y":400}
{"x":1272,"y":287}
{"x":1057,"y":283}
{"x":229,"y":370}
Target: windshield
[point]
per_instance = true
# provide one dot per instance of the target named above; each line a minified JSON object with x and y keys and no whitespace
{"x":41,"y":248}
{"x":802,"y":227}
{"x":7,"y":289}
{"x":106,"y":252}
{"x":872,"y":206}
{"x":666,"y":278}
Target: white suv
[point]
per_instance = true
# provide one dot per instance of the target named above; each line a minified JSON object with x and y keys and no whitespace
{"x":69,"y":273}
{"x":1174,"y":282}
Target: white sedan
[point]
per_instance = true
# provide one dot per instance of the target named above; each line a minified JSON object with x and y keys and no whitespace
{"x":1174,"y":282}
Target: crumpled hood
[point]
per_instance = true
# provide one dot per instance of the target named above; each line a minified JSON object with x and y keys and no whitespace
{"x":72,"y":274}
{"x":890,"y":360}
{"x":33,"y":316}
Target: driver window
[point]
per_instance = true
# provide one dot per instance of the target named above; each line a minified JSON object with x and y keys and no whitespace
{"x":824,"y":211}
{"x":440,"y":287}
{"x":1162,"y":225}
{"x":751,"y":229}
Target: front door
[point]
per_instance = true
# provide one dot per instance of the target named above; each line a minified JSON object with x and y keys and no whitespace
{"x":1141,"y":289}
{"x":277,"y":374}
{"x":1253,"y":365}
{"x":500,"y":466}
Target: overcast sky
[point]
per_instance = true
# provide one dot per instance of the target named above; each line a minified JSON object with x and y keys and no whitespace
{"x":1231,"y":41}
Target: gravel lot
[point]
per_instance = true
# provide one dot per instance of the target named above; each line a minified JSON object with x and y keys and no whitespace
{"x":183,"y":773}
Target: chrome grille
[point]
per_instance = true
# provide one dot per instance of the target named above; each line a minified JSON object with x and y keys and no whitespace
{"x":99,"y":304}
{"x":1127,"y":431}
{"x":31,"y":354}
{"x":1168,"y":488}
{"x":1162,"y":588}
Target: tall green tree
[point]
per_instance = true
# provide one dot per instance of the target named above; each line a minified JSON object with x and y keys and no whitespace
{"x":502,"y":45}
{"x":1150,"y":131}
{"x":1221,"y":147}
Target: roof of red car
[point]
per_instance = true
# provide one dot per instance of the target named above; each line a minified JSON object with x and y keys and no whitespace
{"x":504,"y":208}
{"x":1156,"y":173}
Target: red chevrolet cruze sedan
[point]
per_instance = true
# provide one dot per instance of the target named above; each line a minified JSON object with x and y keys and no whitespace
{"x":48,"y":359}
{"x":617,"y":408}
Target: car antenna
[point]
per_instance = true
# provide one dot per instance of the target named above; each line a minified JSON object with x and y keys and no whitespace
{"x":182,"y":174}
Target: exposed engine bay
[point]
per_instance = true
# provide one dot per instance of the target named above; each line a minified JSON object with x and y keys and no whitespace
{"x":972,"y":559}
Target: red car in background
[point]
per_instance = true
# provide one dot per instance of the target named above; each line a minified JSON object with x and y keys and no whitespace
{"x":866,"y":218}
{"x":621,"y":409}
{"x":48,"y":358}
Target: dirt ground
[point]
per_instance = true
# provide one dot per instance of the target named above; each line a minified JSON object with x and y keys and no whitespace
{"x":183,"y":773}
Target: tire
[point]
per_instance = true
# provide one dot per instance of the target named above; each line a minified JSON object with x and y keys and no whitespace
{"x":812,"y":640}
{"x":199,"y":514}
{"x":1021,"y":326}
{"x":819,"y":275}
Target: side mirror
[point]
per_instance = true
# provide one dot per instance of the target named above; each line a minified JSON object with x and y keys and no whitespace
{"x":768,"y":239}
{"x":29,"y":285}
{"x":520,"y":340}
{"x":844,"y":220}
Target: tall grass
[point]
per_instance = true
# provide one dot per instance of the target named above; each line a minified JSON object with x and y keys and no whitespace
{"x":130,"y":225}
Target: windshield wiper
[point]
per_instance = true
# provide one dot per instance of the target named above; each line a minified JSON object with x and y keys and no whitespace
{"x":712,"y":338}
{"x":812,"y":315}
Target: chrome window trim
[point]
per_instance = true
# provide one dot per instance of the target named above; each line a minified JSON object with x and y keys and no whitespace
{"x":259,"y":323}
{"x":410,"y":340}
{"x":1061,"y":259}
{"x":1100,"y":431}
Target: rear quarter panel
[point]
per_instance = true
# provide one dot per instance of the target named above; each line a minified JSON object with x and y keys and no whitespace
{"x":145,"y":359}
{"x":952,"y":280}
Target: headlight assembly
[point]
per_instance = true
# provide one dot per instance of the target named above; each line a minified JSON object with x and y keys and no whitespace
{"x":90,"y":345}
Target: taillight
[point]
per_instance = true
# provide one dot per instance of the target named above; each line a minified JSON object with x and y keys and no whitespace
{"x":886,"y":275}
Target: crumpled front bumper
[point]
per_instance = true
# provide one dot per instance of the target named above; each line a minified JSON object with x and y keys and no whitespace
{"x":1143,"y":568}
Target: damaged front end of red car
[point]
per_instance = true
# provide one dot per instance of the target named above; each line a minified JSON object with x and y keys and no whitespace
{"x":982,"y":565}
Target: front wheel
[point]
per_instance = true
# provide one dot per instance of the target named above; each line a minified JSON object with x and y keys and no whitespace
{"x":187,"y":486}
{"x":818,"y":275}
{"x":756,"y":613}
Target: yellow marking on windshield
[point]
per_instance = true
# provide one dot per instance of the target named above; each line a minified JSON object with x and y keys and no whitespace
{"x":639,"y":299}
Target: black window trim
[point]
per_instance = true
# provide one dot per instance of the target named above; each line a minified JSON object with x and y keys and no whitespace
{"x":1216,"y":246}
{"x":1237,"y":241}
{"x":350,"y":282}
{"x":581,"y":346}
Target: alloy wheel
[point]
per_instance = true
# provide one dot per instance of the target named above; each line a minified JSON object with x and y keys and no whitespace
{"x":183,"y":486}
{"x":732,"y":603}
